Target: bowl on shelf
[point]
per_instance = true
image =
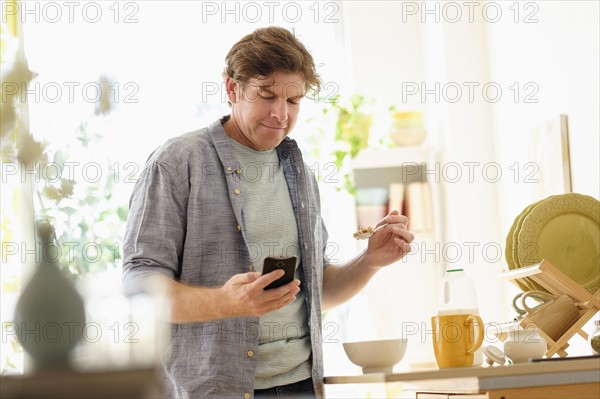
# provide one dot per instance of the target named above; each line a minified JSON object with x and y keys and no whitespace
{"x":407,"y":128}
{"x":376,"y":356}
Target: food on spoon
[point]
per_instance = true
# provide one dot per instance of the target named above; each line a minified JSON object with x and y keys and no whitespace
{"x":364,"y":231}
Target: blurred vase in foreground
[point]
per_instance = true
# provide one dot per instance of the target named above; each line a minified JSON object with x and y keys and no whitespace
{"x":92,"y":325}
{"x":49,"y":315}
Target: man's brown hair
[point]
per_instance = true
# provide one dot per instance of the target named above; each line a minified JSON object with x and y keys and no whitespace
{"x":269,"y":50}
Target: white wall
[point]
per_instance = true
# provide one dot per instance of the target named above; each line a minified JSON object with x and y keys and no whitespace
{"x":560,"y":55}
{"x":383,"y":51}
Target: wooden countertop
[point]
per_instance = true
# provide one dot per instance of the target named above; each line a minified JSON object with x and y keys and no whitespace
{"x":478,"y":379}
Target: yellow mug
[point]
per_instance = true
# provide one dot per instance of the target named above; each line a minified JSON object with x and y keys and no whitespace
{"x":455,"y":338}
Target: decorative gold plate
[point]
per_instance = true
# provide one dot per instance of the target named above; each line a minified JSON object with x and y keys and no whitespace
{"x":565,"y":230}
{"x":529,"y":283}
{"x":512,"y":245}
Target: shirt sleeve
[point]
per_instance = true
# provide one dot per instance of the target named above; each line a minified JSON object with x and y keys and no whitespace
{"x":326,"y":260}
{"x":156,"y":226}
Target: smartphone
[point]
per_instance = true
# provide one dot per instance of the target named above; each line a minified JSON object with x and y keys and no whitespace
{"x":287,"y":264}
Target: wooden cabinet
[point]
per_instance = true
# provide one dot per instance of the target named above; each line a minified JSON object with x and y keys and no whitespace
{"x":577,"y":378}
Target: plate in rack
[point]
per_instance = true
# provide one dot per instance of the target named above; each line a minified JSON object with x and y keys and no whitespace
{"x":565,"y":230}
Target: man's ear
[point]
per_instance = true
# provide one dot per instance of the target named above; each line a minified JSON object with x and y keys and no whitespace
{"x":232,"y":89}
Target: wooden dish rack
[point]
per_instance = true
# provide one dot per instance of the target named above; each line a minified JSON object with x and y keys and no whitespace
{"x":557,"y":283}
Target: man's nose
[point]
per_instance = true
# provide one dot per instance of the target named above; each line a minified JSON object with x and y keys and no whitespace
{"x":279,"y":110}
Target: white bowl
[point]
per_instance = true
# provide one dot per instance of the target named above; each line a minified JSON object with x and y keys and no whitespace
{"x":376,"y":356}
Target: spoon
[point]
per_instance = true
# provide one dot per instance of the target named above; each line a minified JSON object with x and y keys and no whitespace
{"x":365,"y":232}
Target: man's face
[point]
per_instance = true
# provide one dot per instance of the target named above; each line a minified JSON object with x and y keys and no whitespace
{"x":265,"y":111}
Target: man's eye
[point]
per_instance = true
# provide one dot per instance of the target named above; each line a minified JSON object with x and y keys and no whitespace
{"x":295,"y":102}
{"x":266,"y":97}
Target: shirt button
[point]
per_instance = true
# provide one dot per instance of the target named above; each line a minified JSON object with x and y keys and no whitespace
{"x":246,"y":395}
{"x":229,"y":169}
{"x":302,"y":205}
{"x":238,"y":171}
{"x":250,"y":353}
{"x":237,"y":191}
{"x":239,"y":227}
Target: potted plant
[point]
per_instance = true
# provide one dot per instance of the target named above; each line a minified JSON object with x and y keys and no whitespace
{"x":352,"y":128}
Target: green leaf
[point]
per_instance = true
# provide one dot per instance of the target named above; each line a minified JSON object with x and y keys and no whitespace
{"x":66,"y":187}
{"x":349,"y":185}
{"x":90,"y":200}
{"x":52,"y":193}
{"x":122,"y":212}
{"x":84,"y":227}
{"x":68,"y":210}
{"x":60,"y":156}
{"x":339,"y":158}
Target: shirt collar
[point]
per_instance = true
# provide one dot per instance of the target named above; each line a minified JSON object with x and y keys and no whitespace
{"x":224,"y":147}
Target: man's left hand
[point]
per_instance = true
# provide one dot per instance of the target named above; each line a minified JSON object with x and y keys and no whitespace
{"x":391,"y":242}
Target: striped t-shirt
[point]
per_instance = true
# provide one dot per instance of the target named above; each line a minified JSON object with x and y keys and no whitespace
{"x":284,"y":345}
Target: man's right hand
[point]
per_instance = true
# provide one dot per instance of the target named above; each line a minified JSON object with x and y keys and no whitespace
{"x":246,"y":294}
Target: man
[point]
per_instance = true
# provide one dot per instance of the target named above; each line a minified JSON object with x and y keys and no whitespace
{"x":211,"y":205}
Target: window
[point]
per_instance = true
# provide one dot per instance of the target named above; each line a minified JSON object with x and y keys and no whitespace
{"x":114,"y":81}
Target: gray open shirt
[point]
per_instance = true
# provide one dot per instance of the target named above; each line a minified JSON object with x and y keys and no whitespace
{"x":186,"y":221}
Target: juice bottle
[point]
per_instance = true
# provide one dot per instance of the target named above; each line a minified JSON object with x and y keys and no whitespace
{"x":459,"y":297}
